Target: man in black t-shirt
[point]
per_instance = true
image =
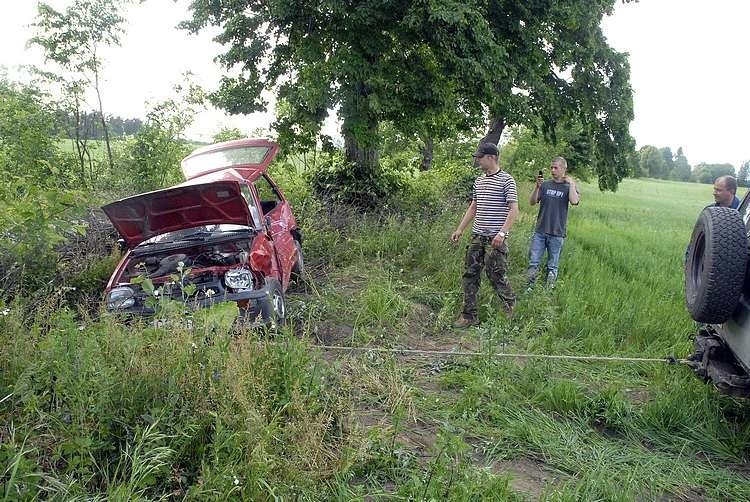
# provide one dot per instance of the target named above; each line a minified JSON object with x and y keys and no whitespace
{"x":551,"y":223}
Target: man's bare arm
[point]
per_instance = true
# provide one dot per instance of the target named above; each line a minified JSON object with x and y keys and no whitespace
{"x":573,"y":196}
{"x":471,"y":211}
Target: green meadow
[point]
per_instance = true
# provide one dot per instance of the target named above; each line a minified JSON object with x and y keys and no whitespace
{"x":96,"y":407}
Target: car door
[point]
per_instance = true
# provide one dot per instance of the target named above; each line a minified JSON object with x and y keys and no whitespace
{"x":276,"y":208}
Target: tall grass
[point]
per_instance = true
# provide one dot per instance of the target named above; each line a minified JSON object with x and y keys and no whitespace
{"x":110,"y":409}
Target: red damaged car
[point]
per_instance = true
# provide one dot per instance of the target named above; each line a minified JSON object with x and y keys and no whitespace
{"x":228,"y":234}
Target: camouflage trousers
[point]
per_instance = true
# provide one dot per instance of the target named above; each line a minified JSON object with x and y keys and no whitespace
{"x":496,"y":267}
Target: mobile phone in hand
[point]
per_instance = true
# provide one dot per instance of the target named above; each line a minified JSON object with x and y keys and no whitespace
{"x":540,"y":175}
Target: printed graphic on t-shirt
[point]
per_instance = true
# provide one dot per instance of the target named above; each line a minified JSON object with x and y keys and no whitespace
{"x":553,"y":210}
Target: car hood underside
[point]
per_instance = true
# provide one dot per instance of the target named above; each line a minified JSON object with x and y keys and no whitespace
{"x":143,"y":216}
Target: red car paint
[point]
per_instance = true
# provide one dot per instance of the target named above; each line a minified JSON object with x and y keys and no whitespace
{"x":226,"y":226}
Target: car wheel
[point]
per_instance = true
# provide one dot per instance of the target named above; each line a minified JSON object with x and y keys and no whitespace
{"x":273,"y":308}
{"x":298,"y":269}
{"x":715,"y":265}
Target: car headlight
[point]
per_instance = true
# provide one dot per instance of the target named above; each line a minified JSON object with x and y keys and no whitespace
{"x":239,"y":278}
{"x":121,"y":298}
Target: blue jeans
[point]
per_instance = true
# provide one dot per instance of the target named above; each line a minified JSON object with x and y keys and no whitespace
{"x":539,"y":243}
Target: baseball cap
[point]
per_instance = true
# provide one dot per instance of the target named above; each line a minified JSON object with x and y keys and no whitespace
{"x":486,"y":149}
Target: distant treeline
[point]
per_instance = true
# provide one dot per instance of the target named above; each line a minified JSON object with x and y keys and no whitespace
{"x":661,"y":163}
{"x":91,"y":125}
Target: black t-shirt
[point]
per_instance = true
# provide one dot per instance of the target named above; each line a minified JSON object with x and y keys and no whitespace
{"x":553,"y":212}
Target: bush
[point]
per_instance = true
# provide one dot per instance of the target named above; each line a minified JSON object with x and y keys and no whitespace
{"x":343,"y":182}
{"x":427,"y":193}
{"x":33,"y":220}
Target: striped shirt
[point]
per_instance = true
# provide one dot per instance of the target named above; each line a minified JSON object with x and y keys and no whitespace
{"x":492,"y":194}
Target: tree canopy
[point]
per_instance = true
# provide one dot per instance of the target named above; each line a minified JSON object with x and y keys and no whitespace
{"x":707,"y":173}
{"x":73,"y":39}
{"x":427,"y":67}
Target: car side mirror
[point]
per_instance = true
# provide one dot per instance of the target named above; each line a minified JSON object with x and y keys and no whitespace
{"x":121,"y":245}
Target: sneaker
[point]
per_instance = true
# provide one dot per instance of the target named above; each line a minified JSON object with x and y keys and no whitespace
{"x":551,"y":278}
{"x":463,"y":322}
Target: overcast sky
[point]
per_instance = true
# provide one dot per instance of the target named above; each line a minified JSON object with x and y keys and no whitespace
{"x":688,"y":69}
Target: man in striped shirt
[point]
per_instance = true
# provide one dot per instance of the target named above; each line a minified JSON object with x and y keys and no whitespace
{"x":493,"y":208}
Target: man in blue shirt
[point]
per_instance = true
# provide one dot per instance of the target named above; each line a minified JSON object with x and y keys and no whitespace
{"x":725,"y":192}
{"x":725,"y":195}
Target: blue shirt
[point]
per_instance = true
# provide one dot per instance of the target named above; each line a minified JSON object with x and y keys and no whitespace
{"x":735,"y":203}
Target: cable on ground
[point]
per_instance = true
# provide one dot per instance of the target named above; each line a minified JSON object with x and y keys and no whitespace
{"x":418,"y":352}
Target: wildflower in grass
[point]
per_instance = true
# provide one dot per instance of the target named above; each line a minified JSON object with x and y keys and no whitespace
{"x":5,"y":312}
{"x":210,"y":293}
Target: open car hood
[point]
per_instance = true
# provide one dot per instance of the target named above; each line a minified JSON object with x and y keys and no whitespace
{"x":143,"y":216}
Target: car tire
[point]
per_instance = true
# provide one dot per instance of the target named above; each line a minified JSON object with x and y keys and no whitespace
{"x":298,"y":269}
{"x":273,"y":308}
{"x":715,"y":265}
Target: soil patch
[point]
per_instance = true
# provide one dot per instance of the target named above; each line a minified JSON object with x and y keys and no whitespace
{"x":695,"y":494}
{"x":332,"y":334}
{"x":528,"y":475}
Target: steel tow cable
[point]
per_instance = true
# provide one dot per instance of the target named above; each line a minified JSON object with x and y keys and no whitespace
{"x":419,"y":352}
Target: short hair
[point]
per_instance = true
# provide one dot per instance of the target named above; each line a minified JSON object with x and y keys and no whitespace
{"x":561,"y":161}
{"x":730,"y":182}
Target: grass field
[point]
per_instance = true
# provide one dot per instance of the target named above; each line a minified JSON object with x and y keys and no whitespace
{"x":133,"y":412}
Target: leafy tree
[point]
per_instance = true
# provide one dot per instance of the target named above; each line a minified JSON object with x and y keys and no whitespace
{"x":707,"y":173}
{"x":422,"y":64}
{"x":74,"y":38}
{"x":528,"y":151}
{"x":666,"y":154}
{"x":652,"y":162}
{"x":27,"y":141}
{"x":227,"y":133}
{"x":35,"y":205}
{"x":557,"y":66}
{"x":681,"y":169}
{"x":742,"y":176}
{"x":122,"y":126}
{"x":159,"y":145}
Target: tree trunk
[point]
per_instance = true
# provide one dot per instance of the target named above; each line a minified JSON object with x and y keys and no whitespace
{"x":79,"y":150}
{"x":361,"y":148}
{"x":104,"y":122}
{"x":361,"y":141}
{"x":427,"y":154}
{"x":497,"y":125}
{"x":366,"y":158}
